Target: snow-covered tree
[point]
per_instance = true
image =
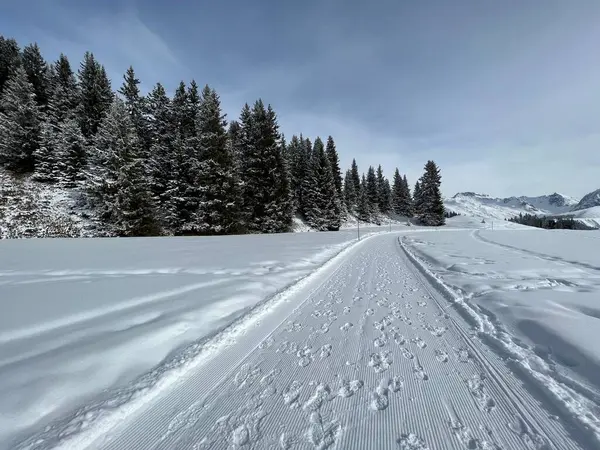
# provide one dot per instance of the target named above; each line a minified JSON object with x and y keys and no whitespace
{"x":10,"y":59}
{"x":71,"y":153}
{"x":417,"y":199}
{"x":119,"y":185}
{"x":350,"y":195}
{"x":136,"y":106}
{"x":220,"y":198}
{"x":323,"y":206}
{"x":431,"y":210}
{"x":355,"y":177}
{"x":38,"y":74}
{"x":363,"y":208}
{"x":20,"y":124}
{"x":95,"y":93}
{"x":372,"y":191}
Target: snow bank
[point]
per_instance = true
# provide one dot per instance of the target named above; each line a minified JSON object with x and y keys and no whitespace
{"x":533,"y":295}
{"x":83,"y":317}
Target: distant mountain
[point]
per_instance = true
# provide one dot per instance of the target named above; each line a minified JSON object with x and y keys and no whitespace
{"x":484,"y":206}
{"x":590,"y":200}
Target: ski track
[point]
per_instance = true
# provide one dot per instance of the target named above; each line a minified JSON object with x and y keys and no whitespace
{"x":373,"y":358}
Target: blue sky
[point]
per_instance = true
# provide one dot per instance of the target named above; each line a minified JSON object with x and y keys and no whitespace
{"x":504,"y":95}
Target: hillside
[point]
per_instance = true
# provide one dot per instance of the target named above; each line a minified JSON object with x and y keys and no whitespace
{"x":484,"y":206}
{"x":590,"y":200}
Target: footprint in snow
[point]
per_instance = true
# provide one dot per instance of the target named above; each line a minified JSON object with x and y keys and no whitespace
{"x":379,"y":398}
{"x":322,"y":394}
{"x":322,"y":435}
{"x":410,"y":441}
{"x":396,"y":383}
{"x":399,"y":339}
{"x":420,"y":374}
{"x":326,"y":350}
{"x":349,"y":388}
{"x":419,"y":342}
{"x":441,"y":355}
{"x":369,"y":312}
{"x":381,"y":340}
{"x":292,"y":393}
{"x":346,"y":310}
{"x":381,"y":361}
{"x":407,"y":353}
{"x":346,"y":326}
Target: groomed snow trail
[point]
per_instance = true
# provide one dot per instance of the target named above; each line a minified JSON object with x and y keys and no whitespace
{"x":370,"y":357}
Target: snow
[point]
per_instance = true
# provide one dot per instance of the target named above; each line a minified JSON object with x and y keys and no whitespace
{"x":484,"y":206}
{"x":587,"y":216}
{"x":534,"y":295}
{"x":72,"y":305}
{"x":454,"y":337}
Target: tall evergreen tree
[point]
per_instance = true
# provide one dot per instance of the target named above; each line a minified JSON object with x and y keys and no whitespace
{"x":334,"y":162}
{"x":407,"y":202}
{"x":220,"y":198}
{"x":10,"y":59}
{"x":95,"y":95}
{"x":397,"y":194}
{"x":136,"y":106}
{"x":383,"y":194}
{"x":46,"y":156}
{"x":363,"y":208}
{"x":118,"y":182}
{"x":20,"y":124}
{"x":38,"y":74}
{"x":71,"y":153}
{"x":372,"y":190}
{"x":64,"y":92}
{"x":350,"y":195}
{"x":267,"y":195}
{"x":431,"y":210}
{"x":161,"y":134}
{"x":417,"y":199}
{"x":355,"y":177}
{"x":298,"y":163}
{"x":323,"y":210}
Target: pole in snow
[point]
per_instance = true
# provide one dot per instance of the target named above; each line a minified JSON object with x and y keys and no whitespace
{"x":358,"y":227}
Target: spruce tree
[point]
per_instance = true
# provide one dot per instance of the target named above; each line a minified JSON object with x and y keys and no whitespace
{"x":372,"y":191}
{"x":180,"y":110}
{"x":431,"y":210}
{"x":64,"y":92}
{"x":95,"y":95}
{"x":397,"y":194}
{"x":71,"y":153}
{"x":38,"y":74}
{"x":355,"y":177}
{"x":161,"y":134}
{"x":117,"y":180}
{"x":363,"y":208}
{"x":220,"y":199}
{"x":10,"y":59}
{"x":383,"y":192}
{"x":267,"y":196}
{"x":350,"y":195}
{"x":334,"y":162}
{"x":417,"y":200}
{"x":298,"y":163}
{"x":47,"y":168}
{"x":136,"y":107}
{"x":323,"y":210}
{"x":20,"y":124}
{"x":407,"y":202}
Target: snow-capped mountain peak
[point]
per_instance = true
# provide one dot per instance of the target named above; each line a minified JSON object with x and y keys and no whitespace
{"x":590,"y":200}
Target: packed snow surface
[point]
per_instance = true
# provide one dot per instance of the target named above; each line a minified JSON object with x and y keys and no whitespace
{"x":453,"y":338}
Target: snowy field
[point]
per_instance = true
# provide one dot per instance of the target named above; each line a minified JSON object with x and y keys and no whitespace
{"x":534,"y":295}
{"x":459,"y":338}
{"x":83,"y":316}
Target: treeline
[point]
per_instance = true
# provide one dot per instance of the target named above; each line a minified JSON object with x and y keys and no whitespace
{"x":550,"y":223}
{"x":152,"y":164}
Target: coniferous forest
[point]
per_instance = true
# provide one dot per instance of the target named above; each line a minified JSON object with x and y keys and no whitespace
{"x":151,"y":164}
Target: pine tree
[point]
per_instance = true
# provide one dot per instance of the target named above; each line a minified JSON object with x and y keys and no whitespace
{"x":20,"y":124}
{"x":363,"y":208}
{"x":64,"y":92}
{"x":417,"y":200}
{"x":372,"y":191}
{"x":334,"y":162}
{"x":298,"y":163}
{"x":383,"y":192}
{"x":431,"y":210}
{"x":38,"y":74}
{"x":323,"y":210}
{"x":118,"y":183}
{"x":71,"y":153}
{"x":10,"y":60}
{"x":397,"y":194}
{"x":136,"y":107}
{"x":220,"y":199}
{"x":45,"y":156}
{"x":95,"y":95}
{"x":180,"y":110}
{"x":267,"y":196}
{"x":407,"y":203}
{"x":350,"y":195}
{"x":161,"y":134}
{"x":355,"y":177}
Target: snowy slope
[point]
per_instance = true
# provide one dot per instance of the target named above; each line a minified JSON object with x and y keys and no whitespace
{"x":83,"y":315}
{"x":590,"y":200}
{"x":484,"y":206}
